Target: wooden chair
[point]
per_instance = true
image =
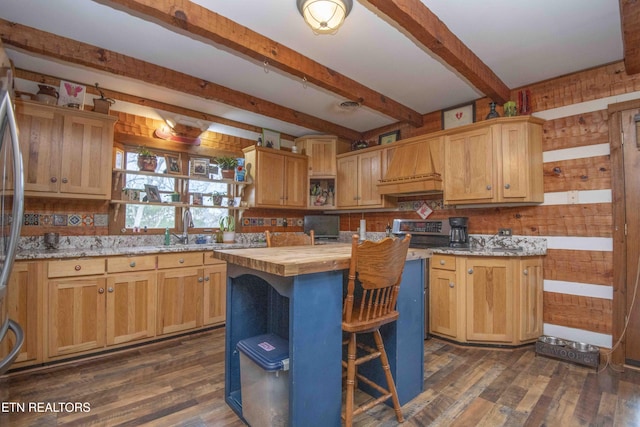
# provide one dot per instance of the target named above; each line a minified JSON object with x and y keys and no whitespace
{"x":375,"y":272}
{"x":289,"y":239}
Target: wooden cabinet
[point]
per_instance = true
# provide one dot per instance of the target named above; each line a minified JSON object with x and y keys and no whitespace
{"x":280,"y":178}
{"x":190,"y":297}
{"x":499,"y":161}
{"x":24,"y":306}
{"x":444,"y":297}
{"x":490,"y":300}
{"x":66,"y":152}
{"x":358,"y":177}
{"x":321,"y":150}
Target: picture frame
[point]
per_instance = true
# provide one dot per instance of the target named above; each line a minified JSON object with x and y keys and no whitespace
{"x":197,"y":199}
{"x":153,"y":195}
{"x":173,"y":164}
{"x":270,"y":139}
{"x":199,"y":166}
{"x":71,"y":94}
{"x":459,"y":115}
{"x":118,"y":162}
{"x":389,"y":137}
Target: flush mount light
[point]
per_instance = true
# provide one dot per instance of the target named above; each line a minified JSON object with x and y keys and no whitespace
{"x":324,"y":16}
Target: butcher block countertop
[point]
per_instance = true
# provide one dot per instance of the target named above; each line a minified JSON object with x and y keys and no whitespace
{"x":296,"y":260}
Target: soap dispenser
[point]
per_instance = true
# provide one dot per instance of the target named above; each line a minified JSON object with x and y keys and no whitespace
{"x":167,"y":237}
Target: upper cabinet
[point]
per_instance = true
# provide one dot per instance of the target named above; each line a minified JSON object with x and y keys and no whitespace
{"x":358,"y":178}
{"x":279,"y":178}
{"x":321,"y":150}
{"x":66,"y":152}
{"x":498,"y":161}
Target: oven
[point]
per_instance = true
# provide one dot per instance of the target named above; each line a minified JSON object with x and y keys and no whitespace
{"x":424,"y":234}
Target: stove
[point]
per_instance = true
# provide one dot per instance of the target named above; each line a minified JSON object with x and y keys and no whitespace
{"x":424,"y":233}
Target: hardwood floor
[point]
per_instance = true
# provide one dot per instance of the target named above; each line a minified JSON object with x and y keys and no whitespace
{"x":181,"y":383}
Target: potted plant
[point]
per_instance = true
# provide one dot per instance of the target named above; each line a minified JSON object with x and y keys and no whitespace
{"x":227,"y":165}
{"x":217,"y":198}
{"x":228,"y":228}
{"x":147,"y":160}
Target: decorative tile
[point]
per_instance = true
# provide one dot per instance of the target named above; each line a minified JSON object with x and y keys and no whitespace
{"x":260,"y":221}
{"x":254,"y":222}
{"x":246,"y":222}
{"x":60,"y":220}
{"x":279,"y":222}
{"x":274,"y":222}
{"x":101,"y":220}
{"x":87,"y":220}
{"x":74,"y":220}
{"x":300,"y":222}
{"x":31,"y":219}
{"x":46,"y":219}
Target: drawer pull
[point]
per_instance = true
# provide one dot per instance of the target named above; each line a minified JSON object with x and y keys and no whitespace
{"x":78,"y":267}
{"x":200,"y":279}
{"x":507,"y":186}
{"x":451,"y":284}
{"x":525,"y":272}
{"x":489,"y":187}
{"x":65,"y":180}
{"x":470,"y":271}
{"x":54,"y":179}
{"x":132,"y":264}
{"x":206,"y":279}
{"x":110,"y":289}
{"x":101,"y":291}
{"x":442,"y":262}
{"x":181,"y":260}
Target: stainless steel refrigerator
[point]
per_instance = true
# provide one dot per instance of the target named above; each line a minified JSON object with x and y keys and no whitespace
{"x":11,"y":212}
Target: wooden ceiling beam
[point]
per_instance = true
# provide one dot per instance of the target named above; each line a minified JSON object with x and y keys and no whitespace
{"x":415,"y":18}
{"x":195,"y":19}
{"x":61,"y":48}
{"x":630,"y":18}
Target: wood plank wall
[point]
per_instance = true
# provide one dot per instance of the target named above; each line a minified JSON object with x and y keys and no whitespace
{"x":570,"y":140}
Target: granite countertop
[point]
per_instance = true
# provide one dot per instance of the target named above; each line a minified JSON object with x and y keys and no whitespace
{"x":491,"y":251}
{"x":492,"y":245}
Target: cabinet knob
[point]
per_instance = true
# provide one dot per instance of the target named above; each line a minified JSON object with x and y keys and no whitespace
{"x":200,"y":279}
{"x":451,"y":284}
{"x":470,"y":271}
{"x":65,"y":180}
{"x":442,"y":262}
{"x":206,"y":279}
{"x":507,"y":186}
{"x":101,"y":291}
{"x":77,"y":267}
{"x":525,"y":272}
{"x":489,"y":187}
{"x":54,"y":179}
{"x":181,"y":260}
{"x":110,"y":289}
{"x":132,"y":264}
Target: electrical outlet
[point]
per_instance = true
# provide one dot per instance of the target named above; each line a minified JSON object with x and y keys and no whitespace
{"x":504,"y":232}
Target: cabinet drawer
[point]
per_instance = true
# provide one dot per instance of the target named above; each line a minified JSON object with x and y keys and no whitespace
{"x":132,"y":263}
{"x":77,"y":267}
{"x":184,"y":259}
{"x":210,"y":260}
{"x":443,"y":262}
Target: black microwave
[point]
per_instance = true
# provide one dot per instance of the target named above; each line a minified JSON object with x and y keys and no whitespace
{"x":323,"y":226}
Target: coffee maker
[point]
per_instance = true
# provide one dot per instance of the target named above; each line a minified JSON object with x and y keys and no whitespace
{"x":458,"y":236}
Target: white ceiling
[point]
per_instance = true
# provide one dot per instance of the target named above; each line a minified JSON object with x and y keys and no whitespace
{"x":522,"y":41}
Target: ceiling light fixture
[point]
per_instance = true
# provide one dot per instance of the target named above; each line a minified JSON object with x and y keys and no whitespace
{"x":324,"y":16}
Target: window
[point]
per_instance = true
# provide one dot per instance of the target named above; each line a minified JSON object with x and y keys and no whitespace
{"x":155,"y":216}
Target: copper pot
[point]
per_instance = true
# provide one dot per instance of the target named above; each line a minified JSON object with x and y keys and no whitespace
{"x":47,"y":94}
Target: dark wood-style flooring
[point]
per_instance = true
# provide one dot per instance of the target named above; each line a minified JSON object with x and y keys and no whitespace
{"x":181,"y":383}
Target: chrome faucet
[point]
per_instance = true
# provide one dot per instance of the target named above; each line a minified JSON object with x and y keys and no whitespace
{"x":187,"y":222}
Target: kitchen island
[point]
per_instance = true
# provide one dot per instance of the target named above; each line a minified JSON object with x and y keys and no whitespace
{"x":296,"y":293}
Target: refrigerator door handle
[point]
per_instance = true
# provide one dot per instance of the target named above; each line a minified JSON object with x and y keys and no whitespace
{"x":11,"y":357}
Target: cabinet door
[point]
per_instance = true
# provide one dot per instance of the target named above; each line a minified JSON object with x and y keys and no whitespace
{"x":489,"y":306}
{"x":322,"y":157}
{"x":130,"y":314}
{"x":270,"y":179}
{"x":295,"y":184}
{"x":468,"y":175}
{"x":347,"y":186}
{"x":215,"y":294}
{"x":530,"y":298}
{"x":40,"y":137}
{"x":179,"y":300}
{"x":24,"y":306}
{"x":86,"y":156}
{"x":443,"y":303}
{"x":513,"y":156}
{"x":370,"y":174}
{"x":76,"y":318}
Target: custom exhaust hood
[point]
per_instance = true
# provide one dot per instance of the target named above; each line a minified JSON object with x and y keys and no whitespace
{"x":416,"y":168}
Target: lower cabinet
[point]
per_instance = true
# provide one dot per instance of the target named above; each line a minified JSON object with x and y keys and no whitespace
{"x":492,"y":300}
{"x":75,"y":307}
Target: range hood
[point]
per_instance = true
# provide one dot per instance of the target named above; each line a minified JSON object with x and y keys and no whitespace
{"x":415,"y":168}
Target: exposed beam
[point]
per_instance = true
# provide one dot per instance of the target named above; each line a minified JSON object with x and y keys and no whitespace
{"x":415,"y":18}
{"x":630,"y":17}
{"x":61,"y":48}
{"x":187,"y":16}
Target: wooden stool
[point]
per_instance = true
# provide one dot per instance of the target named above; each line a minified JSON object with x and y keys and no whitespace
{"x":375,"y":273}
{"x":289,"y":239}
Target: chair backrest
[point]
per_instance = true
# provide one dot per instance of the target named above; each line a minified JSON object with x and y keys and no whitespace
{"x":289,"y":239}
{"x":376,"y":269}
